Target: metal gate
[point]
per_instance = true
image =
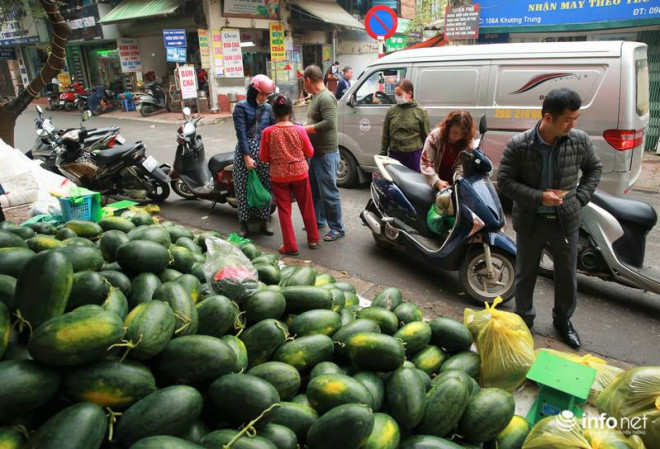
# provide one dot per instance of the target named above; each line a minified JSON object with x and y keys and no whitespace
{"x":652,"y":39}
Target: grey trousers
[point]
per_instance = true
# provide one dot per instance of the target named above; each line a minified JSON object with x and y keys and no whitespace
{"x":529,"y":243}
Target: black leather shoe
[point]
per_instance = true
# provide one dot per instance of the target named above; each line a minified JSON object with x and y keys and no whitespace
{"x":243,"y":232}
{"x":568,"y":333}
{"x":266,"y":228}
{"x":529,"y":321}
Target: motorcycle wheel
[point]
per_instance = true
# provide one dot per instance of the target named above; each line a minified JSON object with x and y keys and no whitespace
{"x":547,"y":263}
{"x":82,"y":106}
{"x":160,"y":191}
{"x":69,"y":106}
{"x":474,"y":278}
{"x":181,"y":189}
{"x":52,"y":104}
{"x":146,"y":111}
{"x":97,"y":111}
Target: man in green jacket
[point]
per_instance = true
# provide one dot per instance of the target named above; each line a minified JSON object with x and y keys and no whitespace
{"x":550,"y":172}
{"x":321,"y":125}
{"x":405,"y":128}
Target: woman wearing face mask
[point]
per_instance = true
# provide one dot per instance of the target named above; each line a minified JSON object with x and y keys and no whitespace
{"x":441,"y":158}
{"x":406,"y":127}
{"x":251,"y":117}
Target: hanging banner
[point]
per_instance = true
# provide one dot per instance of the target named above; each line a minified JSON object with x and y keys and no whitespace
{"x":204,"y":50}
{"x":129,"y":55}
{"x":188,"y":81}
{"x":277,"y":48}
{"x":231,"y":51}
{"x":217,"y":60}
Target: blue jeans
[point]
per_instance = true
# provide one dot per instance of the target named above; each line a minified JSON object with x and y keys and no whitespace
{"x":323,"y":181}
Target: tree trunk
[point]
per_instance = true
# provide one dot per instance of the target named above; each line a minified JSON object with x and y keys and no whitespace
{"x":10,"y":111}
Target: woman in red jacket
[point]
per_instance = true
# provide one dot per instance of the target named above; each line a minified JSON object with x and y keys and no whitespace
{"x":286,"y":147}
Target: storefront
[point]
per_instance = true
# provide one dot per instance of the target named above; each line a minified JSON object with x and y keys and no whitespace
{"x":91,"y":51}
{"x":565,"y":21}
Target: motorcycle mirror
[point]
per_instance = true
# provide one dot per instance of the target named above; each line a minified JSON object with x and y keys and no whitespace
{"x":186,"y":111}
{"x":39,"y":110}
{"x":483,"y":125}
{"x":86,"y":115}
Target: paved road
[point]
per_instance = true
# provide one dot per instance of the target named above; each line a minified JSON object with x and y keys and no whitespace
{"x":614,"y":321}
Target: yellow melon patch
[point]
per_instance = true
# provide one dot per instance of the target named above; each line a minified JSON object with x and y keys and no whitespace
{"x":430,"y":362}
{"x":82,"y":331}
{"x":359,"y":339}
{"x":106,"y":399}
{"x":334,"y":387}
{"x":297,"y":358}
{"x":410,"y":329}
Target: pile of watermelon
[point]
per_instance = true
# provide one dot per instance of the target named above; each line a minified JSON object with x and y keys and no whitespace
{"x":111,"y":337}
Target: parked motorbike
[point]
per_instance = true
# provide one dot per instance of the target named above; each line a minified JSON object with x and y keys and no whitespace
{"x":612,"y":242}
{"x":122,"y":170}
{"x":90,"y":139}
{"x":101,"y":100}
{"x":475,"y":246}
{"x":153,"y":99}
{"x":192,"y":177}
{"x":67,"y":100}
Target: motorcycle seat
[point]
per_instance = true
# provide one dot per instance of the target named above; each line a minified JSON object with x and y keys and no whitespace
{"x":413,"y":185}
{"x":627,"y":210}
{"x":220,"y":161}
{"x":106,"y":157}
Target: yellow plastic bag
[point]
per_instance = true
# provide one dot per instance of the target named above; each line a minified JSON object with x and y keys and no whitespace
{"x":633,"y":391}
{"x":605,"y":373}
{"x":505,"y":345}
{"x":636,"y":442}
{"x":556,"y":432}
{"x":645,"y":425}
{"x":604,"y":438}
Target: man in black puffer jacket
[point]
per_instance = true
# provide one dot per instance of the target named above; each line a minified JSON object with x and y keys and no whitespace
{"x":540,"y":172}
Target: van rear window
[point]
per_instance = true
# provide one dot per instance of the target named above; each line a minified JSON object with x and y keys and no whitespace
{"x":642,"y":87}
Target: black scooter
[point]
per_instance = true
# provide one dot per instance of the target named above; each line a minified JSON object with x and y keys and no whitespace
{"x":154,"y":99}
{"x":192,"y":177}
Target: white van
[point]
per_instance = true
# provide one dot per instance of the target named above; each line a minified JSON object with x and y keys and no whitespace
{"x":507,"y":83}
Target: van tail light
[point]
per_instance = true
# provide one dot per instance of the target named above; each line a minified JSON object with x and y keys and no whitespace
{"x":624,"y":139}
{"x":111,"y":142}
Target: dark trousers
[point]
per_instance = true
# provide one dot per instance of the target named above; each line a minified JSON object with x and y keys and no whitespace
{"x":529,"y":244}
{"x":410,"y":159}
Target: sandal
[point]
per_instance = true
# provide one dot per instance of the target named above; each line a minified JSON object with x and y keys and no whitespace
{"x":288,"y":253}
{"x":314,"y":245}
{"x":333,"y":235}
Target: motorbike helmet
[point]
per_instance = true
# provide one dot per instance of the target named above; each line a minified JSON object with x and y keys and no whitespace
{"x":263,"y":84}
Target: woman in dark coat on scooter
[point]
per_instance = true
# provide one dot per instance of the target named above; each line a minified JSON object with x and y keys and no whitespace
{"x":251,"y":117}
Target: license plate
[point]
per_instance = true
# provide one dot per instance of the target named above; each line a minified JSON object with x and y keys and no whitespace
{"x":150,"y":163}
{"x":62,"y":103}
{"x":120,"y":140}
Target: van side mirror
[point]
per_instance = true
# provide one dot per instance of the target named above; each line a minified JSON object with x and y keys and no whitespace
{"x":483,"y":126}
{"x":39,"y":110}
{"x":352,"y":102}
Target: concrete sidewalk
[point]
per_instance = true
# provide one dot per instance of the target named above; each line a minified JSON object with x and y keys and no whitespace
{"x":649,"y":180}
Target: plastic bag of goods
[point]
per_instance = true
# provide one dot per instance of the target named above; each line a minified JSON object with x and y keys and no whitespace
{"x":505,"y":345}
{"x":562,"y":431}
{"x":228,"y":271}
{"x":605,"y":373}
{"x":633,"y":398}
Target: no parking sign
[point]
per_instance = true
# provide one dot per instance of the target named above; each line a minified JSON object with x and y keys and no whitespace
{"x":381,"y":21}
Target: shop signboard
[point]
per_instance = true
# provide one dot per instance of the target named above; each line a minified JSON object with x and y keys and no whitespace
{"x":64,"y":79}
{"x":277,"y":47}
{"x":462,"y":23}
{"x":129,"y":55}
{"x":231,"y":52}
{"x":188,"y":81}
{"x":216,"y":55}
{"x":84,"y":23}
{"x":176,"y":54}
{"x":18,"y":26}
{"x":263,"y":9}
{"x":7,"y":53}
{"x":204,"y":50}
{"x":175,"y":38}
{"x":532,"y":13}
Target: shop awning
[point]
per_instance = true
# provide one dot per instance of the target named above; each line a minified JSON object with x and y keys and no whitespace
{"x":329,"y":12}
{"x":139,"y":9}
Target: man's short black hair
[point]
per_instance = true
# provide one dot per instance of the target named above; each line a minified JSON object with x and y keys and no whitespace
{"x":347,"y":68}
{"x":559,"y":100}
